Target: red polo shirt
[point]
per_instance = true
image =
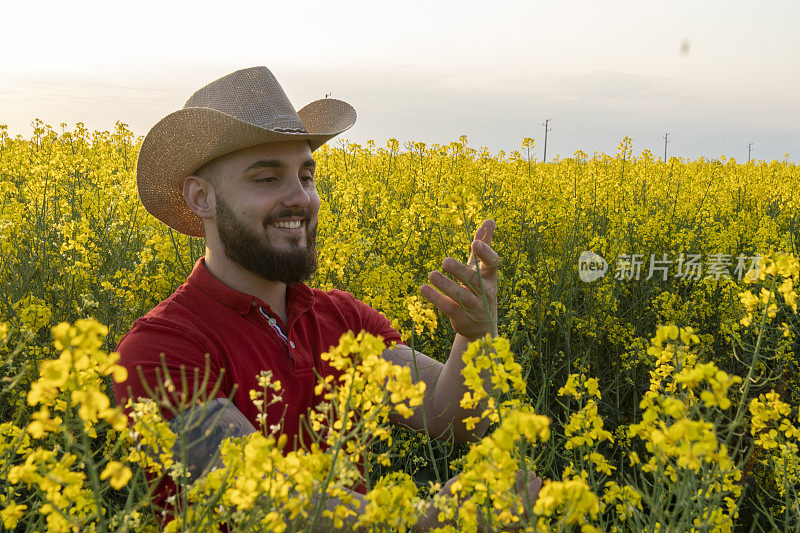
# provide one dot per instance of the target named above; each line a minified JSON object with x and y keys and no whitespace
{"x":243,"y":336}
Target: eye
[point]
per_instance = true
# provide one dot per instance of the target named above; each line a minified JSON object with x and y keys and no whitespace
{"x":265,"y":179}
{"x":307,"y":179}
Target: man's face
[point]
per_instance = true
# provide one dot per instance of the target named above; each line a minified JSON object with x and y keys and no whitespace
{"x":267,"y":206}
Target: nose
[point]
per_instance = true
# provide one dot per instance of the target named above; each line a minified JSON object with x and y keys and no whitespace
{"x":296,"y":194}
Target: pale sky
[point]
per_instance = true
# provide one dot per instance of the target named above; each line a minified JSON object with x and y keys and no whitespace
{"x":715,"y":75}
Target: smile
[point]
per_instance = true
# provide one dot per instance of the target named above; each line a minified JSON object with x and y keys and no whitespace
{"x":293,"y":224}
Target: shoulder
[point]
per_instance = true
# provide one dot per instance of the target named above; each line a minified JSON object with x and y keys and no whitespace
{"x":343,"y":301}
{"x":177,"y":327}
{"x":163,"y":345}
{"x":337,"y":296}
{"x":172,"y":317}
{"x":188,"y":313}
{"x":156,"y":330}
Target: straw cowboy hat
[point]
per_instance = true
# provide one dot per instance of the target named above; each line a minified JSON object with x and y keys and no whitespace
{"x":245,"y":108}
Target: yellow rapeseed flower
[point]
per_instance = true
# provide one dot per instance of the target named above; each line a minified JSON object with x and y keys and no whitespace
{"x":11,"y":514}
{"x":117,"y":474}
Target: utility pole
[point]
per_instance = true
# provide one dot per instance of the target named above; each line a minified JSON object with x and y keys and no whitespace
{"x":749,"y":148}
{"x":666,"y":137}
{"x":546,"y":129}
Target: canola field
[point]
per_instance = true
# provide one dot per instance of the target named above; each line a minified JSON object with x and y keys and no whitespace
{"x":646,"y":366}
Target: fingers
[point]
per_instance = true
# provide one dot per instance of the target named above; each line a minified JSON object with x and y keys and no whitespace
{"x":528,"y":485}
{"x":468,"y":288}
{"x":528,"y":476}
{"x":463,"y":273}
{"x":485,"y":232}
{"x":481,"y":246}
{"x":488,"y":257}
{"x":471,"y":294}
{"x":489,"y":261}
{"x":453,"y":297}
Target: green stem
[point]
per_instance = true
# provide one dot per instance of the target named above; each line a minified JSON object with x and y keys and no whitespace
{"x":336,"y":448}
{"x":749,"y":379}
{"x":429,"y":446}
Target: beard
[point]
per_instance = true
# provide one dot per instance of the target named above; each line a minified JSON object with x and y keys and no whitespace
{"x":255,"y":253}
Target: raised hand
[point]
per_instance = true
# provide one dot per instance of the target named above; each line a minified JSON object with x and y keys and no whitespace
{"x":470,"y":298}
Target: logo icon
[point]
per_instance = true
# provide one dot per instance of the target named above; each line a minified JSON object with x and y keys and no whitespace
{"x":591,"y":266}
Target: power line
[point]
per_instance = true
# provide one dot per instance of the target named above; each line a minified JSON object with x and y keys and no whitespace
{"x":546,"y":129}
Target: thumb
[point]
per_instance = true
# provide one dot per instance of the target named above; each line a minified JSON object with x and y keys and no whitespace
{"x":484,"y":234}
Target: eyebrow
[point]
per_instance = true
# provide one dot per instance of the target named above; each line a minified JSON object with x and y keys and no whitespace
{"x":277,"y":163}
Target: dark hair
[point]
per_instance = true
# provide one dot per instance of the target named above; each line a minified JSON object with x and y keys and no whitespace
{"x":210,"y":171}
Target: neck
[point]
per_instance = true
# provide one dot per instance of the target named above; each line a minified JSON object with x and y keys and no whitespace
{"x":231,"y":274}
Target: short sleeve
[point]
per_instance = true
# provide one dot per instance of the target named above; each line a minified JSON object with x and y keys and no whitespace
{"x":369,"y":319}
{"x":141,"y":349}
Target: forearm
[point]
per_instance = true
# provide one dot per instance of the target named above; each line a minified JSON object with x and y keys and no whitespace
{"x":445,"y":406}
{"x":470,"y":301}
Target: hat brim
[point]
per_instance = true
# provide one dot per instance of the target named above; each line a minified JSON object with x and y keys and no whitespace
{"x":187,"y":139}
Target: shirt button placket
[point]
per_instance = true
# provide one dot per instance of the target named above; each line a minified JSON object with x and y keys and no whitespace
{"x":274,"y":325}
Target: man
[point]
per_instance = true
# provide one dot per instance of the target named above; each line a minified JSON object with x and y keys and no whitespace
{"x":235,"y":165}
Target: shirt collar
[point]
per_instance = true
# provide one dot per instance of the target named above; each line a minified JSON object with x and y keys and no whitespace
{"x":300,"y":297}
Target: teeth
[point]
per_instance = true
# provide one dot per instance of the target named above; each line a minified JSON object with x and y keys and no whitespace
{"x":289,"y":225}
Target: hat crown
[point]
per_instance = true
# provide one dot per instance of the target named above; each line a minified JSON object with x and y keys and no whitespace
{"x":252,"y":95}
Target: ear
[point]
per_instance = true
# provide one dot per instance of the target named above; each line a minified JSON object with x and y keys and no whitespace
{"x":198,"y":193}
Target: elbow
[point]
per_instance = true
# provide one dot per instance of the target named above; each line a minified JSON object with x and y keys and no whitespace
{"x":449,"y":424}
